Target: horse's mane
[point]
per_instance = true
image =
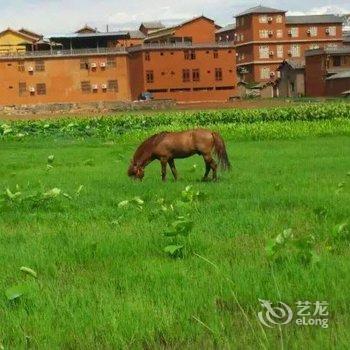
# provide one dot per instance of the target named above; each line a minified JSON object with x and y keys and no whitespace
{"x":146,"y":147}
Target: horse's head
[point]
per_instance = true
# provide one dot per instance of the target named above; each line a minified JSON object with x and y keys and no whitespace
{"x":136,"y":171}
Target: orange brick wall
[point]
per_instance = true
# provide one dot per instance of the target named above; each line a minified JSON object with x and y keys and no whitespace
{"x":201,"y":31}
{"x":63,"y":78}
{"x":168,"y":65}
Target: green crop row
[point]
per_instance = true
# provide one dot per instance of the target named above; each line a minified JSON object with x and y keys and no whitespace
{"x":117,"y":125}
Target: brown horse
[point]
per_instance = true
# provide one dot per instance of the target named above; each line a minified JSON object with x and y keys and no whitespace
{"x":167,"y":146}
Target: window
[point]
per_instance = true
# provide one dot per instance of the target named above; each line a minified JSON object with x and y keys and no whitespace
{"x":279,"y":51}
{"x":265,"y":73}
{"x":149,"y":76}
{"x":86,"y":87}
{"x":84,"y":63}
{"x":22,"y":89}
{"x":112,"y":85}
{"x":40,"y":66}
{"x":242,"y":21}
{"x":264,"y":33}
{"x":332,"y":31}
{"x":279,"y":19}
{"x":186,"y":75}
{"x":331,"y":46}
{"x":264,"y":51}
{"x":242,"y":37}
{"x":218,"y":74}
{"x":20,"y":66}
{"x":41,"y":89}
{"x":294,"y":32}
{"x":190,"y":55}
{"x":263,"y":19}
{"x":195,"y":75}
{"x":111,"y":62}
{"x":279,"y":33}
{"x":336,"y":61}
{"x":295,"y":50}
{"x":147,"y":56}
{"x":216,"y":54}
{"x":312,"y":31}
{"x":314,"y":46}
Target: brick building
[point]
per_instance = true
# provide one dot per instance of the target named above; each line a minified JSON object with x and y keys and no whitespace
{"x":322,"y":64}
{"x":66,"y":77}
{"x":196,"y":30}
{"x":196,"y":72}
{"x":266,"y":36}
{"x":202,"y":72}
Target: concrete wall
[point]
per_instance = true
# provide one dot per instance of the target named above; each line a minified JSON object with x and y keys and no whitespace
{"x":288,"y":77}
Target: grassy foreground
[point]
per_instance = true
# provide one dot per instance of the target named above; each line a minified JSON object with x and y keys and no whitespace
{"x":104,"y":280}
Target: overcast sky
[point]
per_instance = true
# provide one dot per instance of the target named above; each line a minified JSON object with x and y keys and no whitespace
{"x":63,"y":16}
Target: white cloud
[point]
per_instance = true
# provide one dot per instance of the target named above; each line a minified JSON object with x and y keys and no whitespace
{"x":57,"y":16}
{"x":323,"y":10}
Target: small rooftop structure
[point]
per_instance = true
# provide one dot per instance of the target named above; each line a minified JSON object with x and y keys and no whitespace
{"x":226,"y":28}
{"x":148,"y":27}
{"x":86,"y":29}
{"x":152,"y":25}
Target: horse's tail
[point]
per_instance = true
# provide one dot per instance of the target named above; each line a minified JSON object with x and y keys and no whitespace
{"x":220,"y":151}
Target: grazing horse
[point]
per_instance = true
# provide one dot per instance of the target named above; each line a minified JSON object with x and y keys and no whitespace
{"x":167,"y":146}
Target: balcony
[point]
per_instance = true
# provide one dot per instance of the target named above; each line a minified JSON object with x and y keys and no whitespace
{"x":63,"y":53}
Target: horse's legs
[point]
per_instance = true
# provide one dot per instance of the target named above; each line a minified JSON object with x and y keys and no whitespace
{"x":209,"y":164}
{"x":163,"y":162}
{"x":172,"y":167}
{"x":214,"y":166}
{"x":207,"y":169}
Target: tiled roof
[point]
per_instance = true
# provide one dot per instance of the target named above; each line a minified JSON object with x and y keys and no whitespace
{"x":295,"y":63}
{"x":90,"y":35}
{"x":159,"y":32}
{"x":260,"y":9}
{"x":227,"y":28}
{"x":341,"y":75}
{"x":313,"y":19}
{"x":330,"y":51}
{"x":136,"y":34}
{"x":153,"y":25}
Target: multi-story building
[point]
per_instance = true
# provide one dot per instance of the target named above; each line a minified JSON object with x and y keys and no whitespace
{"x":196,"y":72}
{"x":266,"y":36}
{"x":182,"y":72}
{"x":327,"y":71}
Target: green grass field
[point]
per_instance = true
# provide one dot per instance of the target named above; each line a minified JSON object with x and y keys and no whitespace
{"x":104,"y":280}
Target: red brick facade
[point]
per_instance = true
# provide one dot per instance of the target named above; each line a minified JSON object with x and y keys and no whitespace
{"x":265,"y":37}
{"x":321,"y":65}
